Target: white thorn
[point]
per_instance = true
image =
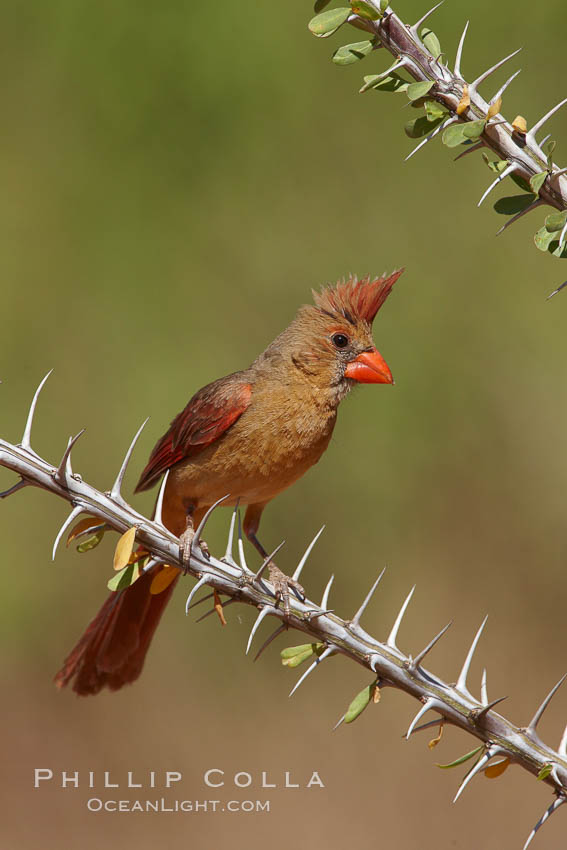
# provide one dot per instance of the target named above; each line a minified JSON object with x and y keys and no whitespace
{"x":508,"y":170}
{"x":116,"y":493}
{"x":422,"y":20}
{"x":356,"y":619}
{"x":263,"y":613}
{"x":559,"y":173}
{"x":474,"y":770}
{"x":195,"y":543}
{"x":431,"y":703}
{"x":228,"y":553}
{"x":325,"y":654}
{"x":562,"y":237}
{"x":243,"y":565}
{"x":394,"y":633}
{"x":419,"y":658}
{"x":203,"y":580}
{"x":269,"y":639}
{"x":25,"y":443}
{"x":301,"y":564}
{"x":503,"y":88}
{"x":325,"y":598}
{"x":473,"y":86}
{"x":546,"y":815}
{"x":538,"y":715}
{"x":159,"y":503}
{"x":71,"y":518}
{"x":432,"y":135}
{"x":483,"y":689}
{"x":64,"y":470}
{"x":532,"y":133}
{"x":154,"y":562}
{"x":460,"y":52}
{"x":392,"y":68}
{"x":338,"y":723}
{"x":462,"y":680}
{"x":562,"y":750}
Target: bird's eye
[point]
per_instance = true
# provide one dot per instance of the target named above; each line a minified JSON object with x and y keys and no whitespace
{"x":340,"y":340}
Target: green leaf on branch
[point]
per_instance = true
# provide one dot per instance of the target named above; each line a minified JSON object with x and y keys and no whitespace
{"x":496,"y":165}
{"x":543,"y":239}
{"x":327,"y":23}
{"x":513,"y":204}
{"x":473,"y":129}
{"x":434,"y":110}
{"x":545,"y":771}
{"x":521,"y":182}
{"x":454,"y":135}
{"x":123,"y":579}
{"x":462,"y":759}
{"x":360,"y":702}
{"x":555,"y":221}
{"x":91,"y":542}
{"x":365,"y":10}
{"x":351,"y":53}
{"x":548,"y":150}
{"x":377,"y":82}
{"x":537,"y":181}
{"x":431,"y":42}
{"x":417,"y":90}
{"x":384,"y":5}
{"x":419,"y":127}
{"x":293,"y":656}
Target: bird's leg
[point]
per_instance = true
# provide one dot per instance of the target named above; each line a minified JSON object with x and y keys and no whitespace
{"x":192,"y":518}
{"x":186,"y":539}
{"x":282,"y":583}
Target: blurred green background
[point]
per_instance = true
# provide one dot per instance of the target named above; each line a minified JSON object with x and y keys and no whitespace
{"x":176,"y":177}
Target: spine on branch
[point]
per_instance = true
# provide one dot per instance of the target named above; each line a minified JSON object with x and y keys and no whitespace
{"x":455,"y":110}
{"x":329,"y":635}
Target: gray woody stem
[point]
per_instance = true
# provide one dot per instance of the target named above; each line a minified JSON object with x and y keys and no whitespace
{"x":521,"y":150}
{"x":453,"y":702}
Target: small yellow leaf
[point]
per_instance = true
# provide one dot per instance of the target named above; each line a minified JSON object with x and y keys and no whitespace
{"x":465,"y":101}
{"x":520,"y":124}
{"x":494,"y":770}
{"x":434,"y":741}
{"x":218,"y":608}
{"x":163,"y":579}
{"x":494,"y":109}
{"x":83,"y":525}
{"x":376,"y":697}
{"x":124,"y":548}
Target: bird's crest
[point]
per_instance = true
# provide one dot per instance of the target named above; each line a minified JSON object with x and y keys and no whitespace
{"x":355,"y":299}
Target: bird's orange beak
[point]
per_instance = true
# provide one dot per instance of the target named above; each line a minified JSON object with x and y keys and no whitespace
{"x":369,"y":368}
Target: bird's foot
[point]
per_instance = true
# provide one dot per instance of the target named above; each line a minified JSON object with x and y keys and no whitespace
{"x":186,"y":544}
{"x":282,"y":586}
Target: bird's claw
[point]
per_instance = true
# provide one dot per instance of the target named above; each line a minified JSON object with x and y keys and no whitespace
{"x":282,"y":586}
{"x":186,"y":545}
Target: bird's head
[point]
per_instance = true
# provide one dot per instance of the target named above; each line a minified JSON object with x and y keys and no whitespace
{"x":330,"y":342}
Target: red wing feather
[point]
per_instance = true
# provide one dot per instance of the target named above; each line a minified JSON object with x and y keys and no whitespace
{"x":207,"y":416}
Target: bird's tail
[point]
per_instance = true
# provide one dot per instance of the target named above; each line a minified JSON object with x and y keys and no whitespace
{"x":112,"y":651}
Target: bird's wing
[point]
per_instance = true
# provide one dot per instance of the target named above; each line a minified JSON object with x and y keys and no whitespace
{"x":207,"y":416}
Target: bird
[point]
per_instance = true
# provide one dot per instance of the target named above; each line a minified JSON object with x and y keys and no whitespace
{"x":251,"y":435}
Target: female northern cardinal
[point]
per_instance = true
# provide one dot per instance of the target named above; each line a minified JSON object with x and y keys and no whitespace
{"x":251,"y":434}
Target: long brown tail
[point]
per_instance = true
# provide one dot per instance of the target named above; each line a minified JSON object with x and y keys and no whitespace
{"x":111,"y":652}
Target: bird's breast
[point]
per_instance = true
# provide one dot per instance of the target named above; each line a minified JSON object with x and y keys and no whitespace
{"x":272,"y":444}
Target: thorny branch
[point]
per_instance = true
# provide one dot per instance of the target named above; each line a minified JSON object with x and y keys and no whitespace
{"x":389,"y":665}
{"x":520,"y":154}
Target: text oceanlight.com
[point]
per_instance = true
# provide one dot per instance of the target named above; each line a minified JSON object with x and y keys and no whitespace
{"x":99,"y":781}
